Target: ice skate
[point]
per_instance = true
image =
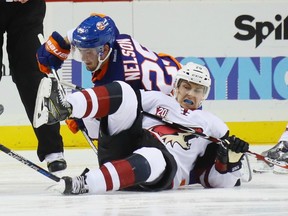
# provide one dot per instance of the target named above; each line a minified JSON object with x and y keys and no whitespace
{"x":51,"y":106}
{"x":283,"y":159}
{"x":56,"y":163}
{"x":278,"y":152}
{"x":75,"y":186}
{"x":262,"y":166}
{"x":71,"y":186}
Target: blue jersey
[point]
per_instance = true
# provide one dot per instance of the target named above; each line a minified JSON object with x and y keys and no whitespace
{"x":138,"y":66}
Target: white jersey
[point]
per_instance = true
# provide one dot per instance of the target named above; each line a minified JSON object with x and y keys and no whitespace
{"x":185,"y":153}
{"x":181,"y":145}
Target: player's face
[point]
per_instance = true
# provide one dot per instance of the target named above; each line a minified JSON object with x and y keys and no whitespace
{"x":92,"y":56}
{"x":190,"y":95}
{"x":89,"y":56}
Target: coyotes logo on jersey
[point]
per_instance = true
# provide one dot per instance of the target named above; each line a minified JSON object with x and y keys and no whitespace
{"x":172,"y":136}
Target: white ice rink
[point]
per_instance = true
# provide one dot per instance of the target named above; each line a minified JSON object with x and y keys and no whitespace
{"x":23,"y":191}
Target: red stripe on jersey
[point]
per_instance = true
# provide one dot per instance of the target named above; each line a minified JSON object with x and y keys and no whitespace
{"x":103,"y":101}
{"x":125,"y":173}
{"x":89,"y":103}
{"x":107,"y":177}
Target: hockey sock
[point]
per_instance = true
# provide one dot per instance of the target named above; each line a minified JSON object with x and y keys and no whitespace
{"x":128,"y":172}
{"x":99,"y":101}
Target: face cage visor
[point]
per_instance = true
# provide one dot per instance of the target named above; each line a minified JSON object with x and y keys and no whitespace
{"x":87,"y":54}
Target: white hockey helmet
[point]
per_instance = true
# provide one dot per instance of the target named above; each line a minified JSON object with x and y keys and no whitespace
{"x":194,"y":73}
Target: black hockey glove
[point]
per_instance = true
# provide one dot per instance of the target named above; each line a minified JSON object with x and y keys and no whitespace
{"x":229,"y":154}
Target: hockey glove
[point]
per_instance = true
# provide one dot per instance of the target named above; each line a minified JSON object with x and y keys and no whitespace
{"x":75,"y":125}
{"x":229,"y":154}
{"x":52,"y":53}
{"x":72,"y":125}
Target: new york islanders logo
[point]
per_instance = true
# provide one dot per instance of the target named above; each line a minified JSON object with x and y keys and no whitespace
{"x":101,"y":25}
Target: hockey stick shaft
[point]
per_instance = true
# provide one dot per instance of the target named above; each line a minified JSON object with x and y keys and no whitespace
{"x":90,"y":141}
{"x":70,"y":85}
{"x":187,"y":129}
{"x":28,"y":163}
{"x":213,"y":139}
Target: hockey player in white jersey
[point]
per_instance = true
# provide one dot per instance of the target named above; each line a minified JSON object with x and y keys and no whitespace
{"x":137,"y":152}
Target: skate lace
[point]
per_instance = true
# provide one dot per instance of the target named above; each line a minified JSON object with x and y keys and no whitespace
{"x":79,"y":186}
{"x":62,"y":98}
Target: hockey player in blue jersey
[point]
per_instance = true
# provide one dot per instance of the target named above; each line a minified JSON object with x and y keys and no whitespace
{"x":110,"y":56}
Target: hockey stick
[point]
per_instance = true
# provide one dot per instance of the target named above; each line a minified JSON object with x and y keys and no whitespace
{"x":216,"y":140}
{"x":29,"y":163}
{"x":62,"y":91}
{"x":184,"y":128}
{"x":88,"y":139}
{"x":198,"y":134}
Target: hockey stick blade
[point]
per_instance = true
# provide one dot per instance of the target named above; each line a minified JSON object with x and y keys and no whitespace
{"x":29,"y":163}
{"x":268,"y":160}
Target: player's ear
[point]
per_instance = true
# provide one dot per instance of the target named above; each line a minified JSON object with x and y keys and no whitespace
{"x":106,"y":49}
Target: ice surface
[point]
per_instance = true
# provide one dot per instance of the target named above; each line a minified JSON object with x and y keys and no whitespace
{"x":23,"y":191}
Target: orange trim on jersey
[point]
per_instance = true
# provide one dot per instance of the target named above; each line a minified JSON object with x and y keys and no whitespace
{"x":174,"y":60}
{"x":98,"y":75}
{"x":171,"y":57}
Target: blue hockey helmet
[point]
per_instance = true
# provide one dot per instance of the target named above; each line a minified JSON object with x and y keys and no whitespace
{"x":95,"y":31}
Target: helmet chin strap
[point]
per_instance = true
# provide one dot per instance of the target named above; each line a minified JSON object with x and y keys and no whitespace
{"x":100,"y":62}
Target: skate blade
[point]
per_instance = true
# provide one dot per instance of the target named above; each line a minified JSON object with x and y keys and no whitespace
{"x":263,"y":167}
{"x":58,"y":187}
{"x":279,"y":170}
{"x":41,"y":112}
{"x":261,"y":171}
